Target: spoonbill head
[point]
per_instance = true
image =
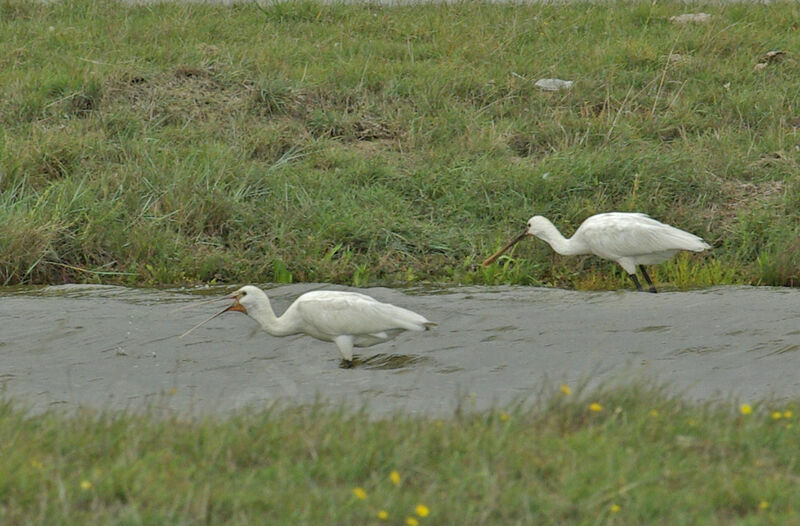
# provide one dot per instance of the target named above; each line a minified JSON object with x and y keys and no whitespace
{"x":630,"y":239}
{"x":348,"y":319}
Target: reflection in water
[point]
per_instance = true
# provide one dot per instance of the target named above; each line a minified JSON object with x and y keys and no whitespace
{"x":699,"y":349}
{"x":115,"y":347}
{"x":654,"y":328}
{"x":390,"y":361}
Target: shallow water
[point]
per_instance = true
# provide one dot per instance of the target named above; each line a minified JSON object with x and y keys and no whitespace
{"x":114,"y":347}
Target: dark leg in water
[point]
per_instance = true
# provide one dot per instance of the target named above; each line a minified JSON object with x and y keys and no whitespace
{"x":647,"y":278}
{"x":636,"y":281}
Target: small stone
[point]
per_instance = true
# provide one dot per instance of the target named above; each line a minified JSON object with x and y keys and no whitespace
{"x":773,"y":56}
{"x":686,"y":18}
{"x":553,"y":84}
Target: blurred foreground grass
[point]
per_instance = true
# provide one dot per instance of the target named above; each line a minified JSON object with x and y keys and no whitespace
{"x":629,"y":455}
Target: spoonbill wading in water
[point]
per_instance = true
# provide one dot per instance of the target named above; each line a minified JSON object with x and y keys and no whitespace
{"x":630,"y":239}
{"x":348,"y":319}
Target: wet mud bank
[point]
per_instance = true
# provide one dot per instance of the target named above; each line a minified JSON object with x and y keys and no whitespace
{"x":118,"y":348}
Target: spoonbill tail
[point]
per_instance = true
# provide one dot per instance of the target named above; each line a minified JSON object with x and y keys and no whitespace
{"x":348,"y":319}
{"x":630,"y":239}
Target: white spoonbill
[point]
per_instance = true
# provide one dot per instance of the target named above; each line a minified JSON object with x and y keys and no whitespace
{"x":630,"y":239}
{"x":348,"y":319}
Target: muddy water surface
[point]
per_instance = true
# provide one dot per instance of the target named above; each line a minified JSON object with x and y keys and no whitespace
{"x":114,"y":347}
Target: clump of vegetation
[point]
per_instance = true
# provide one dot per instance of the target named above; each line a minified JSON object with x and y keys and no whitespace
{"x":173,"y":143}
{"x":629,"y":455}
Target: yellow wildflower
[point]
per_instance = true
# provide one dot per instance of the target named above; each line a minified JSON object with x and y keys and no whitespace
{"x":383,"y":515}
{"x":653,"y":413}
{"x":503,"y":416}
{"x":422,"y":510}
{"x":411,"y":521}
{"x":359,"y":493}
{"x":394,"y":476}
{"x":36,"y":464}
{"x":777,"y":415}
{"x":763,"y":505}
{"x":615,"y":508}
{"x":787,"y":414}
{"x":565,"y":389}
{"x":745,"y":409}
{"x":86,"y":485}
{"x":594,"y":406}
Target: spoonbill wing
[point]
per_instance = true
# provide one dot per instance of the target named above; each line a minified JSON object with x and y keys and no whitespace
{"x":336,"y":312}
{"x":630,"y":235}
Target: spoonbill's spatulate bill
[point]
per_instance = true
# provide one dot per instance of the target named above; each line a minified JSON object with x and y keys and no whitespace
{"x":348,"y":319}
{"x":630,"y":239}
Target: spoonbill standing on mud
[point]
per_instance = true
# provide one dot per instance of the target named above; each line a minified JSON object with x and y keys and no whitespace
{"x":630,"y":239}
{"x":348,"y":319}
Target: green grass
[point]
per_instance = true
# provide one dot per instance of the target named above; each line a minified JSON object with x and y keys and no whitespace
{"x":645,"y":458}
{"x":170,"y":143}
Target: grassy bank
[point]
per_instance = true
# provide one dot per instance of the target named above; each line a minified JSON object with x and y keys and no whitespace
{"x":636,"y":457}
{"x":362,"y":144}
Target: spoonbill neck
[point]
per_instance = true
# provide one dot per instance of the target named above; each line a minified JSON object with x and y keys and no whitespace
{"x":548,"y":232}
{"x":274,"y":325}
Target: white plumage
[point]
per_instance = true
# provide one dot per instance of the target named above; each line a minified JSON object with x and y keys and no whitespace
{"x":630,"y":239}
{"x":348,"y":319}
